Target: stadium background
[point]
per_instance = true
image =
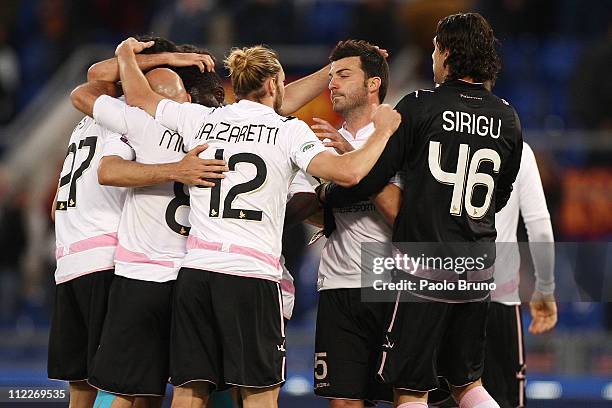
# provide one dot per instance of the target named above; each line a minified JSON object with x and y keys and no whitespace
{"x":557,"y":57}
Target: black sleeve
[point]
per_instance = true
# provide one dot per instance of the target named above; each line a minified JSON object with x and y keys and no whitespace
{"x":389,"y":163}
{"x":509,"y":169}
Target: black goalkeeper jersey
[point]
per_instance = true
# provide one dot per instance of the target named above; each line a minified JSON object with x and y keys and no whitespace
{"x":459,"y":148}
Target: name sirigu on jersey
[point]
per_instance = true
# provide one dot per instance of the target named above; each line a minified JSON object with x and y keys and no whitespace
{"x":226,"y":132}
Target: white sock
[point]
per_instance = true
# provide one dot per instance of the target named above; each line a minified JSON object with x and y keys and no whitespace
{"x":477,"y":397}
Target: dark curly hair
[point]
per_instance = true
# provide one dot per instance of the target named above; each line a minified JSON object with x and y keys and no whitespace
{"x":205,"y":88}
{"x":472,"y":47}
{"x":372,"y":62}
{"x":160,"y":44}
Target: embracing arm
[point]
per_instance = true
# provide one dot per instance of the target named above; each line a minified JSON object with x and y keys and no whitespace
{"x":108,"y":70}
{"x":136,"y":88}
{"x":388,"y":202}
{"x":190,"y":170}
{"x":348,"y":169}
{"x":300,"y":207}
{"x":298,"y":93}
{"x":84,"y":96}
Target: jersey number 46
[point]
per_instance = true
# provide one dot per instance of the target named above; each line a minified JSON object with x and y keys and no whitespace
{"x":461,"y":186}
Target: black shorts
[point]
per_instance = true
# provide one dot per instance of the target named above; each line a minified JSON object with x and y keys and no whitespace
{"x":226,"y":330}
{"x":504,"y":372}
{"x":133,"y":357}
{"x":347,"y":346}
{"x":426,"y":340}
{"x":76,"y":325}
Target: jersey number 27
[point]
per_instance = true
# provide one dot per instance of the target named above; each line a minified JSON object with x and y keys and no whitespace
{"x":73,"y":176}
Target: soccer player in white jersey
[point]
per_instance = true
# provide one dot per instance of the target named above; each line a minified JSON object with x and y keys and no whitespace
{"x":504,"y":372}
{"x":86,"y":223}
{"x":227,"y":321}
{"x":87,"y":217}
{"x":350,"y":331}
{"x":149,"y":252}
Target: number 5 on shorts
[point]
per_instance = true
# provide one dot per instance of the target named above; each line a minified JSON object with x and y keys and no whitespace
{"x":320,"y":368}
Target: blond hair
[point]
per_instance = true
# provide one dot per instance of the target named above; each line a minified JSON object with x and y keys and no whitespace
{"x":249,"y":67}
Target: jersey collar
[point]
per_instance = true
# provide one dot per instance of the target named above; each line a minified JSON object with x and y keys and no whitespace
{"x":250,"y":105}
{"x":464,"y":84}
{"x":362,"y":133}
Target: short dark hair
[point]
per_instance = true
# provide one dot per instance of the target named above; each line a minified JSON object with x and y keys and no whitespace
{"x":472,"y":47}
{"x":372,"y":61}
{"x":160,"y":44}
{"x":205,"y":88}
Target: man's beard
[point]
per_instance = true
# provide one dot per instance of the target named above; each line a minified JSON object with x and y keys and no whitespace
{"x":351,"y":101}
{"x":278,"y":100}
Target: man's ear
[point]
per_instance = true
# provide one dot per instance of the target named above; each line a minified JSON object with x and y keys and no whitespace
{"x":188,"y":97}
{"x":271,"y":86}
{"x":374,"y":84}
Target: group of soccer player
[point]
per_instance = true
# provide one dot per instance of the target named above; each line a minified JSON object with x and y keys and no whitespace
{"x":171,"y":206}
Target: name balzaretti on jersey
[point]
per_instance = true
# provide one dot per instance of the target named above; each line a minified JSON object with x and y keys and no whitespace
{"x":247,"y":133}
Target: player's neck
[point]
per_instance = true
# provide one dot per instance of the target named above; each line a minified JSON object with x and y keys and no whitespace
{"x":358,"y":118}
{"x":468,"y":79}
{"x":266,"y":100}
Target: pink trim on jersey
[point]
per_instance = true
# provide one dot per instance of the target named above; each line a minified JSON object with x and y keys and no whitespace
{"x":100,"y":241}
{"x":194,"y":242}
{"x":287,"y":286}
{"x":521,"y":378}
{"x":123,"y":254}
{"x":506,"y":288}
{"x":65,"y":279}
{"x":254,"y":253}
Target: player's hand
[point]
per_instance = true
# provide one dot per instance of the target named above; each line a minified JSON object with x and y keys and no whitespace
{"x":192,"y":170}
{"x":382,"y":51}
{"x":187,"y":59}
{"x":386,"y":119}
{"x":132,"y":45}
{"x":543,"y":312}
{"x":324,"y":130}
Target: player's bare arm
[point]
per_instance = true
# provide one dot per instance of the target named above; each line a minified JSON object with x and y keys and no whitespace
{"x":136,"y":88}
{"x":84,"y":96}
{"x":191,"y":170}
{"x":299,"y":208}
{"x":108,"y":70}
{"x":348,"y":169}
{"x":298,"y":93}
{"x":388,"y":202}
{"x":53,"y":206}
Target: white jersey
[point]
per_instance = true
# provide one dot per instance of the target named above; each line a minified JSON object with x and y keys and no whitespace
{"x":340,"y":266}
{"x":86,"y":213}
{"x":527,"y":198}
{"x":236,"y":226}
{"x":154,"y":225}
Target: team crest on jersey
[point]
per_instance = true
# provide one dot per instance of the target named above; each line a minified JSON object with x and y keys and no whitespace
{"x":307,"y":146}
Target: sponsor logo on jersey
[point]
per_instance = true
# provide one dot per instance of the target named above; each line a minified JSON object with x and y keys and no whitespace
{"x":307,"y":146}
